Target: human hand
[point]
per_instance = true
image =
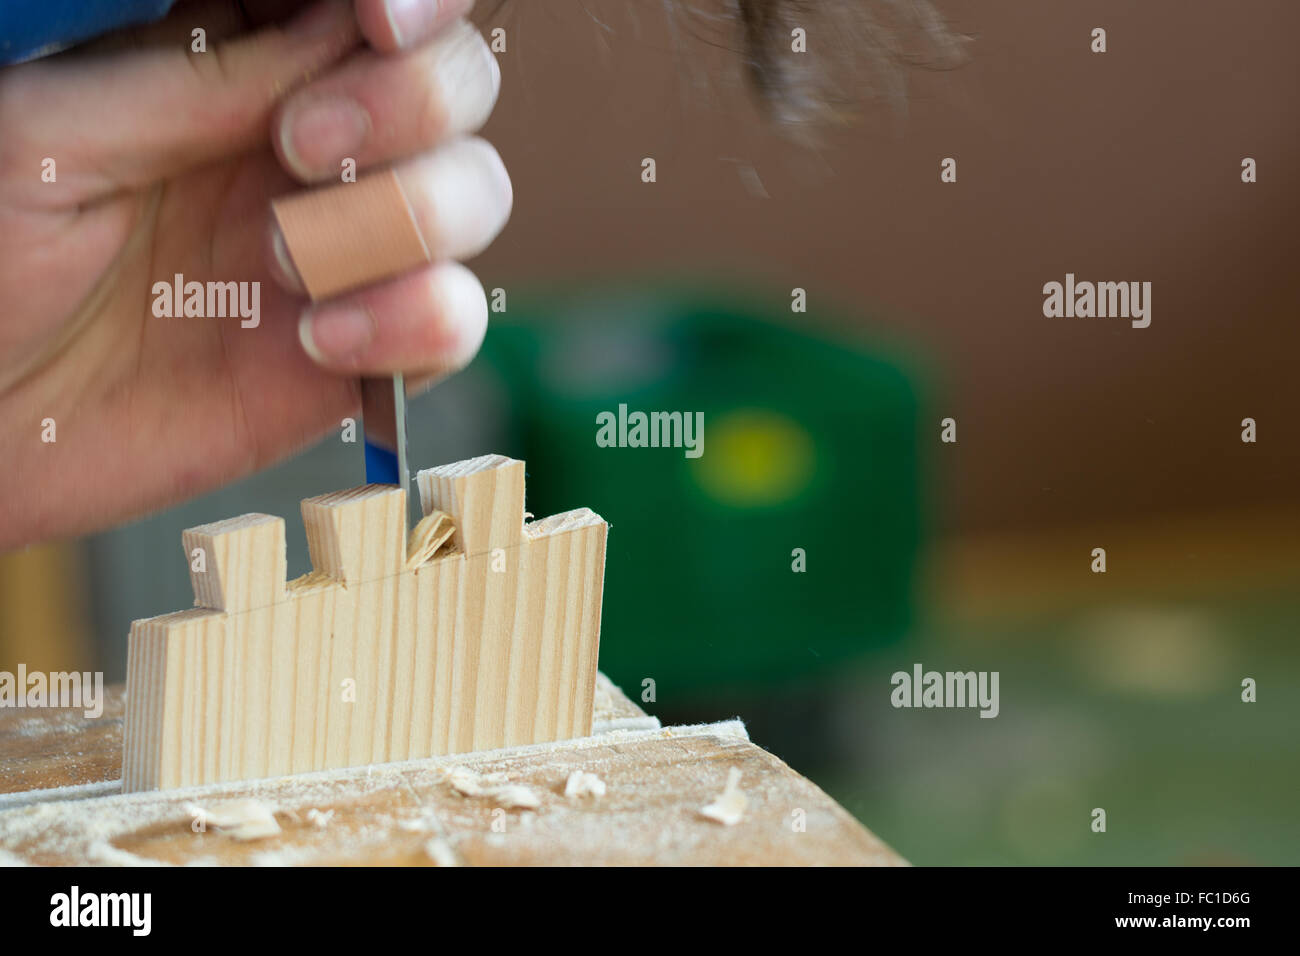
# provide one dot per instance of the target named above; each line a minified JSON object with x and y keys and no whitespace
{"x":165,"y":162}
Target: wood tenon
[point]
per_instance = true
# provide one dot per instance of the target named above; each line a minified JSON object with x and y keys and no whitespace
{"x":475,"y":632}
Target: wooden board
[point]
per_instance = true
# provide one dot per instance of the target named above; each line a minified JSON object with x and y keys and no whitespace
{"x":657,"y":780}
{"x":477,"y":631}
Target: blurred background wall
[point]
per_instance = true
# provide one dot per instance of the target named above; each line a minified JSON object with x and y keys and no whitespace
{"x":1119,"y":690}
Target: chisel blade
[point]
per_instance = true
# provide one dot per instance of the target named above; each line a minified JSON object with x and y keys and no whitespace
{"x":383,"y":415}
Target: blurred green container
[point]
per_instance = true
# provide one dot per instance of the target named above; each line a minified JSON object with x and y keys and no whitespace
{"x":809,"y":443}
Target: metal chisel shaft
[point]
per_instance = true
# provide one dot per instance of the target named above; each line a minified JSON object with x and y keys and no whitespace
{"x":383,"y":415}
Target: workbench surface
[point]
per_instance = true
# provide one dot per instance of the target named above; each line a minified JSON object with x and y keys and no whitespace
{"x":60,"y":803}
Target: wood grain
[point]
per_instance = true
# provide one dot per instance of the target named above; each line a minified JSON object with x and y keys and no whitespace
{"x":48,"y":749}
{"x":475,"y":633}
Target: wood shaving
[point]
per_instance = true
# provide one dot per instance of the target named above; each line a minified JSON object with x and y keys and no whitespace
{"x":515,"y":796}
{"x":729,"y":807}
{"x":238,"y":819}
{"x":434,"y":530}
{"x":582,"y":784}
{"x":376,"y":820}
{"x":511,"y":796}
{"x":441,"y":853}
{"x":465,"y":782}
{"x":319,"y":818}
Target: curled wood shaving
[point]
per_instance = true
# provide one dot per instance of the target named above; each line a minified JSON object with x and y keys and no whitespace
{"x":511,"y":796}
{"x":427,"y":537}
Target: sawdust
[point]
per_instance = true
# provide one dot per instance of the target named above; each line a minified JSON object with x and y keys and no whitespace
{"x":80,"y":791}
{"x":109,"y":855}
{"x":384,"y":811}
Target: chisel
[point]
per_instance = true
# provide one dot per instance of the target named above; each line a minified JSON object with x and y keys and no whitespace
{"x":383,"y":416}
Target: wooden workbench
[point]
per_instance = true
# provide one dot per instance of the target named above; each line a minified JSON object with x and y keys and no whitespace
{"x":60,"y":803}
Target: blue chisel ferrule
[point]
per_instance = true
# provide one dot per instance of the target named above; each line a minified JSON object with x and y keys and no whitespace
{"x":381,"y":466}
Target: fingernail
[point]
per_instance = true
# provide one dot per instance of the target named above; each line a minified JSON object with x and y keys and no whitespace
{"x":335,"y":335}
{"x":467,"y":191}
{"x":316,"y":136}
{"x":464,"y":304}
{"x":288,"y":271}
{"x":468,"y":76}
{"x":411,"y":20}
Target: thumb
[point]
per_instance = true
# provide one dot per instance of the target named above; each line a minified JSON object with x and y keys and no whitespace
{"x":123,"y":120}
